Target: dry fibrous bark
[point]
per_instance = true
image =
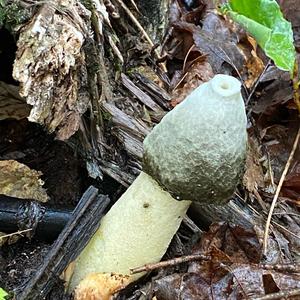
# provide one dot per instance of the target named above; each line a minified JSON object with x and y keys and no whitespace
{"x":67,"y":58}
{"x":50,"y":66}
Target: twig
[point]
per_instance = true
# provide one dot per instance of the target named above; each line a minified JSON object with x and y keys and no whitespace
{"x":267,"y":228}
{"x":135,"y":6}
{"x":168,"y":263}
{"x":20,"y":232}
{"x":140,"y":27}
{"x":136,"y":22}
{"x":84,"y":222}
{"x":288,"y":267}
{"x":279,"y":295}
{"x":115,"y":49}
{"x":296,"y":86}
{"x":257,"y":82}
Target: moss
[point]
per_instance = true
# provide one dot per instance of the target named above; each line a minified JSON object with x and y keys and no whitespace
{"x":106,"y":116}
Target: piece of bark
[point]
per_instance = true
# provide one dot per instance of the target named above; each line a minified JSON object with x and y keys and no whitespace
{"x":235,"y":211}
{"x":142,"y":96}
{"x":84,"y":222}
{"x":154,"y":15}
{"x":18,"y":180}
{"x":50,"y":66}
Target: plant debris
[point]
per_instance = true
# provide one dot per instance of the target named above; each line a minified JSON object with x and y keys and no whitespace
{"x":89,"y":74}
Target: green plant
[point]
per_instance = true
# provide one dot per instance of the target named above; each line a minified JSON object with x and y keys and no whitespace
{"x":263,"y":19}
{"x":3,"y":294}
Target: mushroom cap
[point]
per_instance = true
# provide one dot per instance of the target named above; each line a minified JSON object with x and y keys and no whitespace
{"x":197,"y":151}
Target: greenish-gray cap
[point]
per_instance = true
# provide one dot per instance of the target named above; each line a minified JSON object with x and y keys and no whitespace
{"x":197,"y":151}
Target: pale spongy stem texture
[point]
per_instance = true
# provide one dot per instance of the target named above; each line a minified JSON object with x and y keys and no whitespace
{"x":137,"y":230}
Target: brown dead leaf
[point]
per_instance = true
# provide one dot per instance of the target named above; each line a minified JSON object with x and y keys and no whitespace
{"x":278,"y":140}
{"x":291,"y":185}
{"x":232,"y":273}
{"x":208,"y":35}
{"x":215,"y":44}
{"x":291,"y":10}
{"x":254,"y":65}
{"x":237,"y":243}
{"x":197,"y":74}
{"x":220,"y":41}
{"x":253,"y":176}
{"x":277,"y":93}
{"x":18,"y":180}
{"x":50,"y":66}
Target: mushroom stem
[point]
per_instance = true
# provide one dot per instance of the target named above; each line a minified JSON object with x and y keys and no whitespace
{"x":196,"y":152}
{"x":137,"y":230}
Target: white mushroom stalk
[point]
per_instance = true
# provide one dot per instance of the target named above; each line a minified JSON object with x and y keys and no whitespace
{"x":196,"y":153}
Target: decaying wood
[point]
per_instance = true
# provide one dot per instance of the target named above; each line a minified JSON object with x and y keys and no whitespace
{"x":12,"y":105}
{"x":118,"y":120}
{"x":70,"y":242}
{"x":143,"y":97}
{"x":50,"y":66}
{"x":64,"y":72}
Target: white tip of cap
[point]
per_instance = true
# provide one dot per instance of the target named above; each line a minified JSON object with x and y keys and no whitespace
{"x":225,"y":85}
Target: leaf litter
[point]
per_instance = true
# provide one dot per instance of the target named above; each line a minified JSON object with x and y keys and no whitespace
{"x":199,"y":44}
{"x":236,"y":270}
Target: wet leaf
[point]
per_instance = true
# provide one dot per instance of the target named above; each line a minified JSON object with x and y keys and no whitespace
{"x":254,"y":64}
{"x":291,"y":185}
{"x":277,"y":93}
{"x":216,"y":39}
{"x":232,"y":273}
{"x":197,"y":74}
{"x":220,"y":44}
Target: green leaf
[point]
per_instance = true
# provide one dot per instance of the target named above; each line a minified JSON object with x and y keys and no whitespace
{"x":263,"y":19}
{"x":2,"y":294}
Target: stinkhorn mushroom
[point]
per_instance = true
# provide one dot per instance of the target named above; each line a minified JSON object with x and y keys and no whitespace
{"x":196,"y":153}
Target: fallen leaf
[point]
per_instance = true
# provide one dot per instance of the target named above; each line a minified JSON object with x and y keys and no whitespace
{"x":233,"y":272}
{"x":197,"y":74}
{"x":18,"y":180}
{"x":254,"y":65}
{"x":253,"y":176}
